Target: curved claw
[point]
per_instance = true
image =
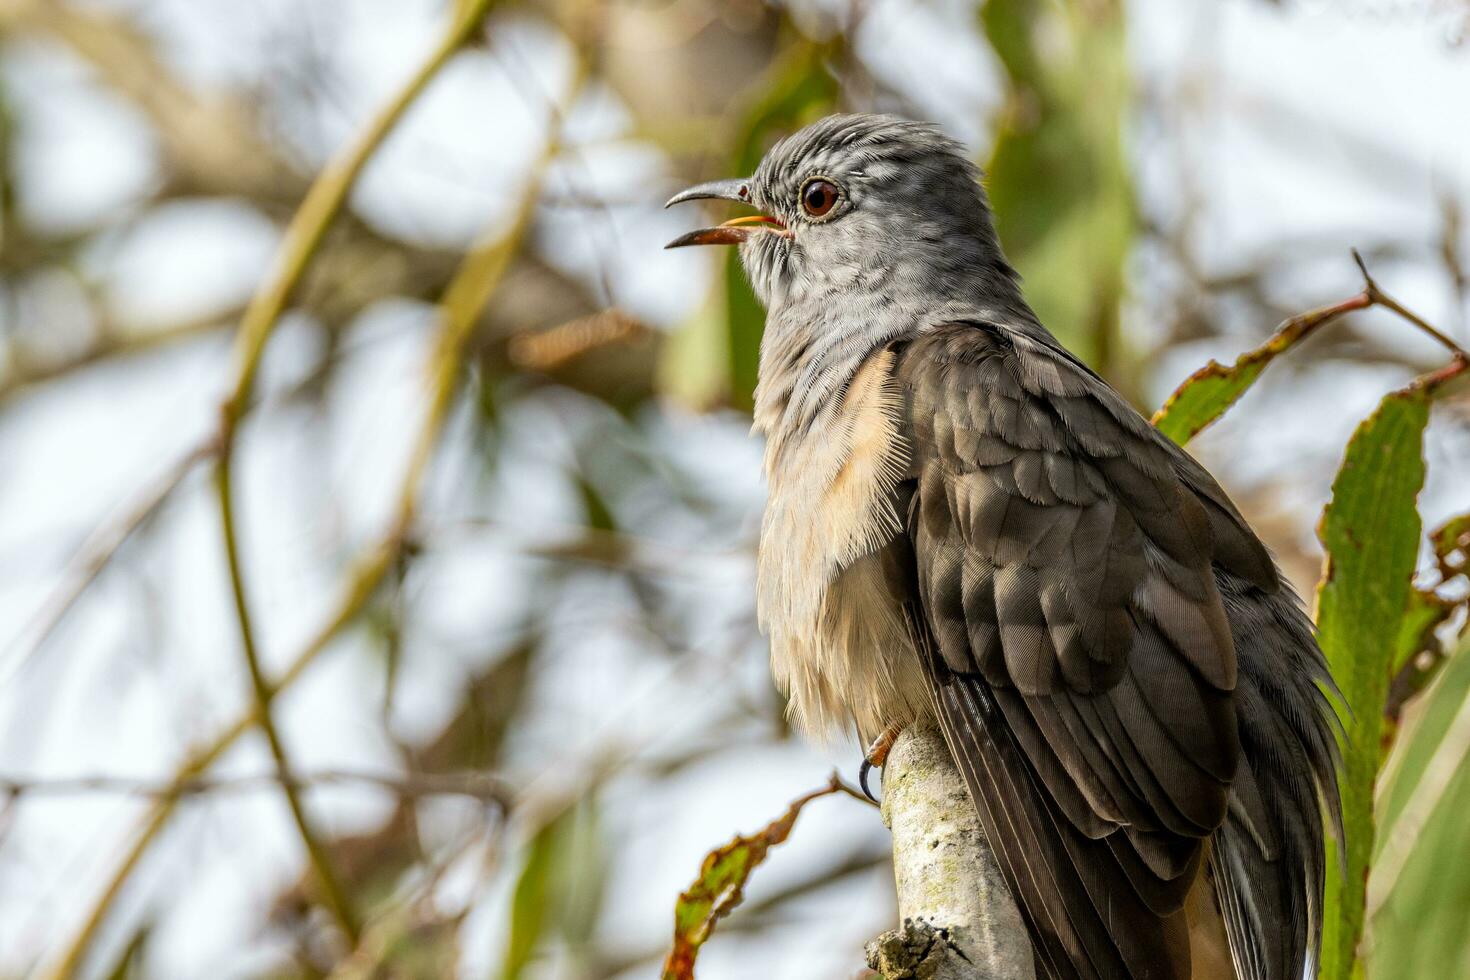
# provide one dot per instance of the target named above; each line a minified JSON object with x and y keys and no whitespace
{"x":876,"y":755}
{"x":863,"y":771}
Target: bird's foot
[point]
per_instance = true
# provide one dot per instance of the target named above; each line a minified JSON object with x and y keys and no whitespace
{"x":876,"y":755}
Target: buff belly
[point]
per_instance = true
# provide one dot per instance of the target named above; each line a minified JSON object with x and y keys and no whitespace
{"x":839,"y":648}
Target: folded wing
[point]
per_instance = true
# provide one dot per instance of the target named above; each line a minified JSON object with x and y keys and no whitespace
{"x":1065,"y":599}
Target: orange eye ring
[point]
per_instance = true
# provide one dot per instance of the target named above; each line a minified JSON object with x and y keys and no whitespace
{"x":819,"y":197}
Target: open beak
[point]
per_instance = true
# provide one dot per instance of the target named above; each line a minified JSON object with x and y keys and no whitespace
{"x":734,"y":231}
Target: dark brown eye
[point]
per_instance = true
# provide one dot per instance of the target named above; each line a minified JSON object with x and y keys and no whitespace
{"x":818,"y":197}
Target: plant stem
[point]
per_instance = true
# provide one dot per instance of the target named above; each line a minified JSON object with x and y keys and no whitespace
{"x":1377,"y":297}
{"x":322,"y":866}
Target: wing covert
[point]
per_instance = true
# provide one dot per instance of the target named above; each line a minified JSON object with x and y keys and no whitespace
{"x":1064,"y":566}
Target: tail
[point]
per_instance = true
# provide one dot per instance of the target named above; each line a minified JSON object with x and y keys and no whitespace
{"x":1267,"y":861}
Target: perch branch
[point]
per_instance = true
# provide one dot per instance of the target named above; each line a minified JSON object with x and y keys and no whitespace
{"x":959,"y":921}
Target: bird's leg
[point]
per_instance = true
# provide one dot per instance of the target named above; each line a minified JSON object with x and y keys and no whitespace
{"x":876,"y":755}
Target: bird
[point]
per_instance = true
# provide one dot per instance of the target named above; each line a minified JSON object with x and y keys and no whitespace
{"x":967,"y":527}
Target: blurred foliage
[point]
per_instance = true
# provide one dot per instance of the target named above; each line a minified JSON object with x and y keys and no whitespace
{"x":559,"y":888}
{"x":1058,"y":177}
{"x":500,"y":828}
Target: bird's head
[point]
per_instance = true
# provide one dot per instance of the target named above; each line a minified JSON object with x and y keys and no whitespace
{"x":849,"y":197}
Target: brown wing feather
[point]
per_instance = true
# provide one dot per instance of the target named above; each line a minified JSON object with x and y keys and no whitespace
{"x":1083,"y":664}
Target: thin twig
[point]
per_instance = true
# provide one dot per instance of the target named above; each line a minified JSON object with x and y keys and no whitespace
{"x":411,"y":785}
{"x":1432,"y":381}
{"x":321,"y":861}
{"x":112,"y":343}
{"x":1379,"y":298}
{"x":302,"y":237}
{"x":840,"y":785}
{"x":95,"y":554}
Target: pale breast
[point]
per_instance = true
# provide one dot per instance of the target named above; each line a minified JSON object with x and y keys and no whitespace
{"x":839,"y":649}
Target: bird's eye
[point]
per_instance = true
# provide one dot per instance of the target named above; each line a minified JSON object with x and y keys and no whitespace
{"x":818,"y":197}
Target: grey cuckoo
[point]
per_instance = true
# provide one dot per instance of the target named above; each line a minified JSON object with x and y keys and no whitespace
{"x":967,"y":526}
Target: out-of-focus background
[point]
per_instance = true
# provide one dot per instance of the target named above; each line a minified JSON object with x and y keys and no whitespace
{"x":509,"y":647}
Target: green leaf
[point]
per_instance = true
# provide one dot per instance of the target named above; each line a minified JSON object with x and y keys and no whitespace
{"x":582,"y":873}
{"x":532,"y":898}
{"x":560,"y":886}
{"x":1420,"y":886}
{"x":1207,"y":393}
{"x":720,"y":886}
{"x":1370,"y":531}
{"x":1426,"y":723}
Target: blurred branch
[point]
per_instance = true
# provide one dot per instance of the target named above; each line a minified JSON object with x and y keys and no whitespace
{"x":303,"y":237}
{"x":326,"y":874}
{"x":1450,"y":254}
{"x":323,"y":201}
{"x":213,"y":141}
{"x":25,"y":372}
{"x":362,"y":583}
{"x":214,"y":146}
{"x":463,"y":300}
{"x":472,"y":741}
{"x":410,"y":785}
{"x":546,"y":350}
{"x":96,"y":552}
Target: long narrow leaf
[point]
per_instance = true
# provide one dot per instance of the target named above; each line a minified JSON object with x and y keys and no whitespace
{"x":534,"y":896}
{"x":1370,"y":531}
{"x":1420,"y":885}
